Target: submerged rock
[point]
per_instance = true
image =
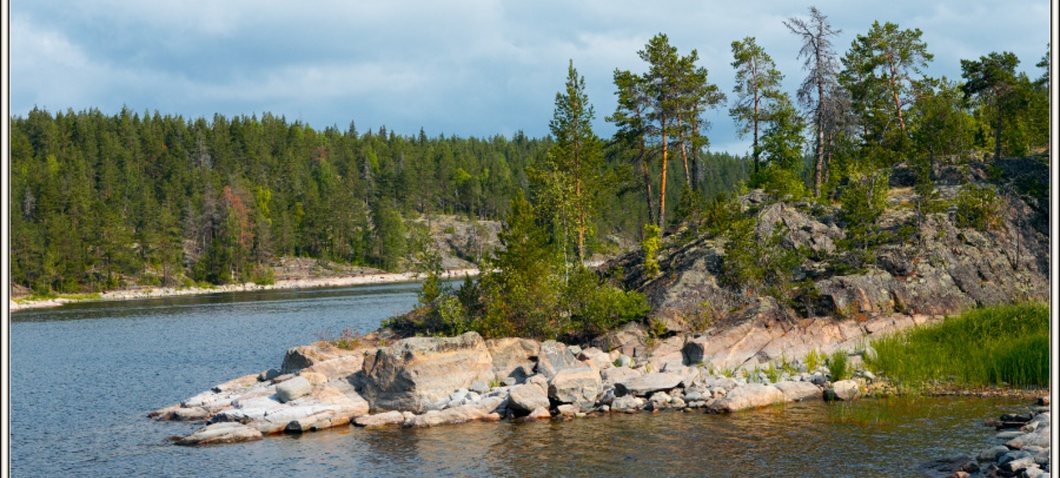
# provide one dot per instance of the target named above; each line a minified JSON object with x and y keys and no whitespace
{"x":218,"y":433}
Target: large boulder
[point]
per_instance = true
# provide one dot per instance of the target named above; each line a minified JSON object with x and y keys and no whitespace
{"x":418,"y":373}
{"x":554,"y":357}
{"x":513,"y":358}
{"x":615,"y":375}
{"x":527,"y":397}
{"x":580,"y":385}
{"x":798,"y":391}
{"x":645,"y":385}
{"x":751,"y":395}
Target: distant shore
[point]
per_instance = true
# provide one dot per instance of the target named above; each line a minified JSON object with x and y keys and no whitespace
{"x":304,"y":283}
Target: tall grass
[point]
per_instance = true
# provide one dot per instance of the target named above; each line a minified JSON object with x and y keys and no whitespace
{"x":989,"y":346}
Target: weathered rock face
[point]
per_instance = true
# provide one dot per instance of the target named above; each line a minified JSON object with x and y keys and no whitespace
{"x":757,"y":337}
{"x":613,"y":375}
{"x":925,"y":267}
{"x":416,"y":373}
{"x":513,"y":357}
{"x":303,"y":356}
{"x":449,"y":416}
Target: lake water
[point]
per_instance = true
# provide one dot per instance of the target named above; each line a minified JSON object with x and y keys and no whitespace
{"x":84,"y":377}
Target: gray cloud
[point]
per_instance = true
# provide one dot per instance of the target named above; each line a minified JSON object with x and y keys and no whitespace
{"x":471,"y":67}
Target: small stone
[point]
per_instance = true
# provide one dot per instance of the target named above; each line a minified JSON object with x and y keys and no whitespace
{"x":480,"y":387}
{"x":268,"y":375}
{"x":991,"y":454}
{"x":539,"y":413}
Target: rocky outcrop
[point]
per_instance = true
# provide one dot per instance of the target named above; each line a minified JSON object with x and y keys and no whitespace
{"x":925,"y":266}
{"x":417,"y":373}
{"x":304,"y":356}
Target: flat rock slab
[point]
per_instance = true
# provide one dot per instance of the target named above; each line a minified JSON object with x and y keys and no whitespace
{"x":380,"y":419}
{"x":650,"y":383}
{"x":217,"y":433}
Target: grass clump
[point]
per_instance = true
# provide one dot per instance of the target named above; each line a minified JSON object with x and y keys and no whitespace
{"x":837,"y":366}
{"x":1001,"y":345}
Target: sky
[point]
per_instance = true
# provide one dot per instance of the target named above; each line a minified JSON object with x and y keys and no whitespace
{"x":464,"y":67}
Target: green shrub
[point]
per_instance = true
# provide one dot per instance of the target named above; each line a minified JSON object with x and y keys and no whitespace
{"x":978,"y":208}
{"x":650,"y":246}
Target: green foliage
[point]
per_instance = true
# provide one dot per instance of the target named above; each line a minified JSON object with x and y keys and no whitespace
{"x":1006,"y":344}
{"x":978,"y":207}
{"x":347,"y":339}
{"x":862,"y":202}
{"x":98,"y":200}
{"x":837,"y":366}
{"x":760,"y":263}
{"x":813,"y":360}
{"x":757,"y":83}
{"x":650,"y":246}
{"x":569,"y":184}
{"x":527,"y":292}
{"x":881,"y":73}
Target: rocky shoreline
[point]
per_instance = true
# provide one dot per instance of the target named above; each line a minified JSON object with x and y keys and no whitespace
{"x":1023,"y":449}
{"x":426,"y":382}
{"x":301,"y":283}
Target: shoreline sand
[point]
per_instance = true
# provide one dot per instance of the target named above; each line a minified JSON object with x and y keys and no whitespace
{"x":308,"y":283}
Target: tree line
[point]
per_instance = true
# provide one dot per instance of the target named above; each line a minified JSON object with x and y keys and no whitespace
{"x":98,"y":201}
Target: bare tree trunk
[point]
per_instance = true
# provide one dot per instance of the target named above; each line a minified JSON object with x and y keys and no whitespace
{"x":662,"y":182}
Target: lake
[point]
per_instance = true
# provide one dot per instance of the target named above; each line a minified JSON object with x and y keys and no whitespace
{"x":84,"y":376}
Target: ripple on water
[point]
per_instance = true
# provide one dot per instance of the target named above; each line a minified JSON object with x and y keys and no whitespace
{"x":84,"y":377}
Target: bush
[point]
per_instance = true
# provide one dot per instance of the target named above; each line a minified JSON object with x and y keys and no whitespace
{"x":650,"y":246}
{"x":977,"y":208}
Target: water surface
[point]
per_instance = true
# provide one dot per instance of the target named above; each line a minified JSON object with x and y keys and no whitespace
{"x":84,"y":376}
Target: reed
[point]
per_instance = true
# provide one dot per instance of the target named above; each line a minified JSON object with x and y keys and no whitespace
{"x":1000,"y":345}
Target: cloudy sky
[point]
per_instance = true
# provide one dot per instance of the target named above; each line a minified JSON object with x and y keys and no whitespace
{"x":464,"y":67}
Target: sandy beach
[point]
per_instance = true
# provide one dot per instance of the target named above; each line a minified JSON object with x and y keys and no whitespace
{"x":158,"y":292}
